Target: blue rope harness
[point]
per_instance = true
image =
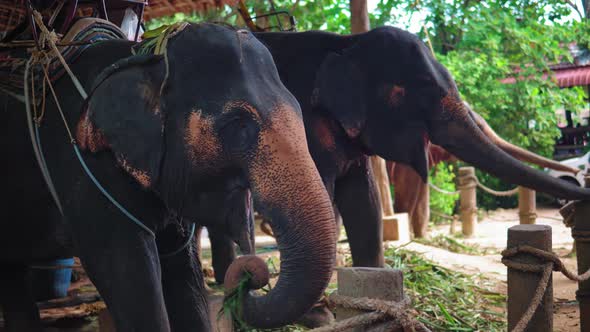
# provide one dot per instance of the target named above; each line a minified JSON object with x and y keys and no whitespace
{"x":113,"y":200}
{"x":188,"y":241}
{"x":127,"y":213}
{"x":36,"y":140}
{"x":108,"y":196}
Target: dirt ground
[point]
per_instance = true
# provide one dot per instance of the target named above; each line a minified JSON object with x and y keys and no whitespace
{"x":490,"y":235}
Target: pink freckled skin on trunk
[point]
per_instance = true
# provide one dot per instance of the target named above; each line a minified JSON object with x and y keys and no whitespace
{"x":88,"y":136}
{"x":282,"y":157}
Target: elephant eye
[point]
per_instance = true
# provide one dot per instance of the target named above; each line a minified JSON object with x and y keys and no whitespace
{"x":239,"y":134}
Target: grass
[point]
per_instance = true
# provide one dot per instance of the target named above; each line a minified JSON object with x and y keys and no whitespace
{"x":454,"y":244}
{"x":448,"y":300}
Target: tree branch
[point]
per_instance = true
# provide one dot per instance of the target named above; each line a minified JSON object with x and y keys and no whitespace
{"x":295,"y":6}
{"x":575,"y":7}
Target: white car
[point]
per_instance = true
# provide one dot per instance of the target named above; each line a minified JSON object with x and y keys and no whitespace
{"x":582,"y":163}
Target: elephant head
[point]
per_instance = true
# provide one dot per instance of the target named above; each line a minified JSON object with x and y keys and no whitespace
{"x":213,"y":108}
{"x":389,"y":93}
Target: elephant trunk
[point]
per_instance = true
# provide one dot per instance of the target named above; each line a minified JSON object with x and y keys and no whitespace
{"x":288,"y":189}
{"x":518,"y":152}
{"x":455,"y":130}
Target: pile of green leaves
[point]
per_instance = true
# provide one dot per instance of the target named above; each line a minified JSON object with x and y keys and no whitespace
{"x":448,"y":300}
{"x":453,"y":244}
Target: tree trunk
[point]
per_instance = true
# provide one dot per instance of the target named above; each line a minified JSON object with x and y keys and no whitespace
{"x":359,"y":22}
{"x":382,"y":182}
{"x":359,"y":17}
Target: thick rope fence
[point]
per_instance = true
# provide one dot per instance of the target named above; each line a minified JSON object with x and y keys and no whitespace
{"x":551,"y":262}
{"x":370,"y":299}
{"x":378,"y":311}
{"x":530,"y":262}
{"x":466,"y":185}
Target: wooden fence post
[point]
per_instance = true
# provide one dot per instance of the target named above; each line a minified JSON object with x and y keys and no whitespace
{"x":375,"y":283}
{"x":581,"y":235}
{"x":467,"y":200}
{"x":396,"y":227}
{"x":522,"y":285}
{"x":382,"y":182}
{"x":527,"y":206}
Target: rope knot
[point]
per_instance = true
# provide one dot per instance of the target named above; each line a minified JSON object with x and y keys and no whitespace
{"x":549,"y":262}
{"x":376,"y":311}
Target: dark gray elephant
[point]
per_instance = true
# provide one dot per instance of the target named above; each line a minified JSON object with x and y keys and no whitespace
{"x":382,"y":93}
{"x":158,"y":132}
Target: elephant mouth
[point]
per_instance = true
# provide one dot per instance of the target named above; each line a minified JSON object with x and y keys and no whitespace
{"x":239,"y":218}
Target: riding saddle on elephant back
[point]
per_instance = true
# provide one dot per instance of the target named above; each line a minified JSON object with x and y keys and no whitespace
{"x":61,"y":14}
{"x":77,"y":25}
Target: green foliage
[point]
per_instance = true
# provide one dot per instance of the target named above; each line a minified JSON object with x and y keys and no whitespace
{"x":448,"y":300}
{"x":328,"y":15}
{"x":442,"y":176}
{"x":487,"y":201}
{"x":213,"y":15}
{"x":484,"y":42}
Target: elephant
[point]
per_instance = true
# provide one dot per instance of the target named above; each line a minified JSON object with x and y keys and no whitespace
{"x":158,"y":132}
{"x":383,"y":93}
{"x":412,"y":194}
{"x":233,"y":226}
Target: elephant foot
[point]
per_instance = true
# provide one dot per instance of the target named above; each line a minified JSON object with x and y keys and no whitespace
{"x":317,"y":316}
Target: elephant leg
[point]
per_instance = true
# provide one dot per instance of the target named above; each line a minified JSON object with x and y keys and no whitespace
{"x":222,"y":254}
{"x":357,"y":199}
{"x":17,"y":300}
{"x":183,"y":284}
{"x":412,"y":196}
{"x":122,"y":261}
{"x":421,"y":213}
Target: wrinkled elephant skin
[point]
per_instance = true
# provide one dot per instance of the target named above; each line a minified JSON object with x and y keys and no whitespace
{"x":161,"y":134}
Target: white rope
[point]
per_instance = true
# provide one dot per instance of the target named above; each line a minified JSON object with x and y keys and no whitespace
{"x":442,"y":191}
{"x":464,"y":183}
{"x":50,"y":38}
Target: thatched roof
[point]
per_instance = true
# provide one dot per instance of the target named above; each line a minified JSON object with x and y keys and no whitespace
{"x":158,"y":8}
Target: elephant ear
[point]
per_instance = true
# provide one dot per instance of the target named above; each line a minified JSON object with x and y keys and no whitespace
{"x":123,"y":115}
{"x":340,"y":91}
{"x":407,"y":144}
